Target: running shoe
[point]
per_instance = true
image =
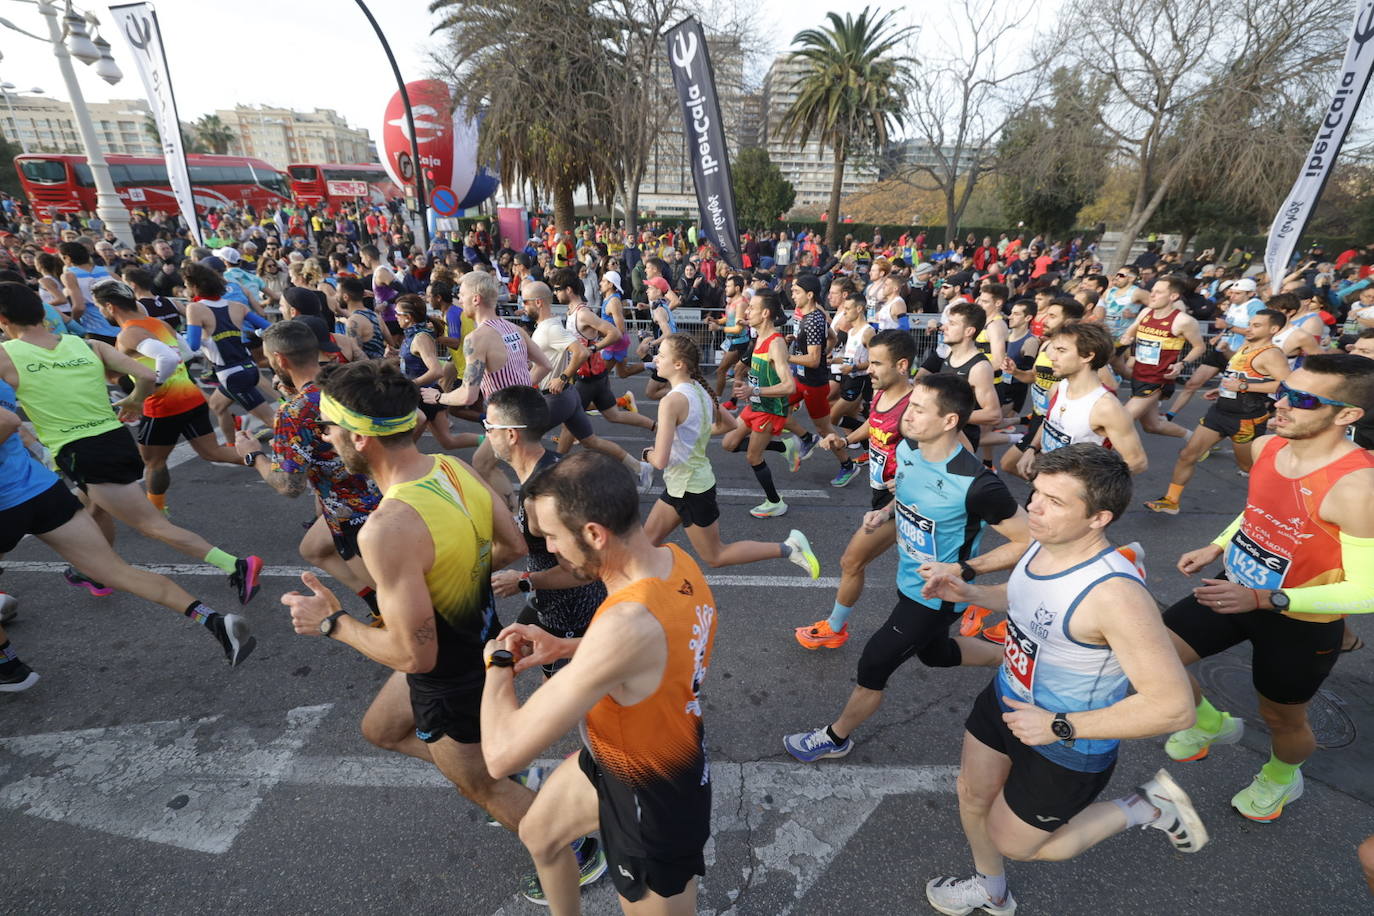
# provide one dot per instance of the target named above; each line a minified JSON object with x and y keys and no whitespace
{"x":627,"y":402}
{"x":15,"y":677}
{"x":997,"y":633}
{"x":862,"y":457}
{"x":1207,"y":454}
{"x":1177,"y":816}
{"x":766,"y":509}
{"x":646,"y":476}
{"x":1164,"y":505}
{"x":956,"y":896}
{"x":971,"y":624}
{"x":9,"y":607}
{"x":591,"y":865}
{"x":808,"y":445}
{"x":234,"y":635}
{"x":1263,"y":799}
{"x":808,"y":747}
{"x":1196,"y":742}
{"x":95,"y":588}
{"x":845,"y":475}
{"x":791,"y":453}
{"x":820,"y":636}
{"x":802,"y":554}
{"x":244,"y":578}
{"x":530,"y":777}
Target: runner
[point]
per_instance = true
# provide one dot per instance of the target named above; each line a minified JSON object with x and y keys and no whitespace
{"x":633,"y":688}
{"x":810,"y":363}
{"x":34,"y":501}
{"x":216,"y":327}
{"x":1160,"y":333}
{"x":60,"y":382}
{"x":1232,"y":324}
{"x":1121,"y":303}
{"x":769,"y":386}
{"x":687,"y":420}
{"x":1294,"y":340}
{"x":1040,"y":375}
{"x":1042,"y":739}
{"x":362,"y":323}
{"x":302,"y":457}
{"x":851,"y":387}
{"x":1243,"y":402}
{"x":1023,"y":347}
{"x":613,"y":311}
{"x":890,"y":355}
{"x":431,"y":544}
{"x":1297,"y":560}
{"x":420,"y":363}
{"x":944,"y":499}
{"x":661,"y":311}
{"x":737,"y":343}
{"x":79,"y":274}
{"x":962,"y":323}
{"x":176,"y":409}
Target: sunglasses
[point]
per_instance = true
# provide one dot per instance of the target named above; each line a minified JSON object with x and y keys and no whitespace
{"x":1305,"y":400}
{"x":488,"y":426}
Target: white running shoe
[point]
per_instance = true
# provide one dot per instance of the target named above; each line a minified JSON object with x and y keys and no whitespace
{"x":766,"y":509}
{"x":956,"y":896}
{"x":1177,"y":816}
{"x":9,"y":607}
{"x":802,"y":555}
{"x":646,"y":476}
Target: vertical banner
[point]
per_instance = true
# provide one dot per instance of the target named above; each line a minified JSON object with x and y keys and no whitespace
{"x":1296,"y":211}
{"x":138,"y":22}
{"x":705,"y":136}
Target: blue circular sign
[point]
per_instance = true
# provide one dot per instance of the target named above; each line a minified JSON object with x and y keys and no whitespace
{"x":444,"y":201}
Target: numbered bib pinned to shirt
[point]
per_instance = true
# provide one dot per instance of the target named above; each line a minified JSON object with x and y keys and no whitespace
{"x":915,"y":534}
{"x":1018,"y":662}
{"x":1147,"y":352}
{"x":1250,"y":565}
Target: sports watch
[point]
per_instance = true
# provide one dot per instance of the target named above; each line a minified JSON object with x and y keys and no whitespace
{"x":524,"y":583}
{"x":967,"y":572}
{"x":1062,"y":728}
{"x":330,"y":623}
{"x":251,"y":459}
{"x":1279,"y":600}
{"x":501,"y":658}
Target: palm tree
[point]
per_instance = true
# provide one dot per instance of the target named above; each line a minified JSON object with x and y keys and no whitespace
{"x":851,"y":93}
{"x":214,"y":133}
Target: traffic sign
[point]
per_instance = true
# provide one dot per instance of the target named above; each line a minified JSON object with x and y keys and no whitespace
{"x":443,"y":201}
{"x":347,"y":188}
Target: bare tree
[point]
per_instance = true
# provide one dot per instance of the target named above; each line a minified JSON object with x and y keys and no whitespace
{"x":1191,"y":78}
{"x":969,"y":85}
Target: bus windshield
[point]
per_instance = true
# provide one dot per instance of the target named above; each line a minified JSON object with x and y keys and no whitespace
{"x":45,"y":171}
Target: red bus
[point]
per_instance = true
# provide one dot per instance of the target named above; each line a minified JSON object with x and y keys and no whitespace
{"x":63,"y":183}
{"x":335,"y":183}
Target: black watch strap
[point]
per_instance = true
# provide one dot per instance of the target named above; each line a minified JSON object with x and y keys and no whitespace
{"x":331,"y":623}
{"x":967,"y":572}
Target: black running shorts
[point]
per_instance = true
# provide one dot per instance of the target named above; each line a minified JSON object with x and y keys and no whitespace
{"x":1038,"y":791}
{"x":695,"y":509}
{"x":1214,"y":358}
{"x":1291,"y":658}
{"x":1239,"y":430}
{"x":565,"y":409}
{"x":911,"y":629}
{"x":346,"y":541}
{"x":241,"y":387}
{"x":190,"y":424}
{"x":447,"y":710}
{"x":595,"y":391}
{"x":111,"y":457}
{"x":1146,"y":389}
{"x":47,"y":511}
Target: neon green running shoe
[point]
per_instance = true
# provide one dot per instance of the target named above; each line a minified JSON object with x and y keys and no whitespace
{"x":1195,"y":743}
{"x":1263,"y":799}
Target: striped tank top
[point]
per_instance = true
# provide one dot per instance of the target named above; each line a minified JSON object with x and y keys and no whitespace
{"x":516,"y":369}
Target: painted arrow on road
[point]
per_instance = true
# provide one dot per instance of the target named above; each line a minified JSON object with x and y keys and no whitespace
{"x":196,"y":783}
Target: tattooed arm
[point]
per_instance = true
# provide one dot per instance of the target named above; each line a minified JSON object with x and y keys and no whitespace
{"x":476,"y":355}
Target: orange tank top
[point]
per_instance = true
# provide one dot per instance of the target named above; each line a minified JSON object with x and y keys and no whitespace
{"x":1283,"y":542}
{"x":176,"y":395}
{"x":659,"y":739}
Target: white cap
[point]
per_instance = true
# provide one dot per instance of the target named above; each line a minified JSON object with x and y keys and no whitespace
{"x":228,"y":255}
{"x":612,"y":277}
{"x":1245,"y":284}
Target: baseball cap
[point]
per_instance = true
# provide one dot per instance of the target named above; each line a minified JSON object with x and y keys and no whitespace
{"x":1246,"y":284}
{"x":229,"y":255}
{"x":808,"y":282}
{"x":213,"y":263}
{"x":657,"y":283}
{"x":613,"y":277}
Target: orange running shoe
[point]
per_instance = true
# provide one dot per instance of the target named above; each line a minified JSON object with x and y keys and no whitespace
{"x":972,"y":621}
{"x":820,"y":636}
{"x":997,"y":633}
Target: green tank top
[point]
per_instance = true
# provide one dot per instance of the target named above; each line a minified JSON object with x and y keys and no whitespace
{"x":763,"y":374}
{"x":62,"y":390}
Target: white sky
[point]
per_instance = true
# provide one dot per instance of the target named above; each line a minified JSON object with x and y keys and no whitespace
{"x":301,"y":54}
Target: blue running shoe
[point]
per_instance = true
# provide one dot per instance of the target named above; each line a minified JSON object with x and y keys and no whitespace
{"x":808,"y":747}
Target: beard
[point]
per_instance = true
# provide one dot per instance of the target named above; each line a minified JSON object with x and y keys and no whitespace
{"x":353,"y":460}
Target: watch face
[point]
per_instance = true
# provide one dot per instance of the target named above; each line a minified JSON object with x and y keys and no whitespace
{"x":326,"y":626}
{"x":1061,"y":728}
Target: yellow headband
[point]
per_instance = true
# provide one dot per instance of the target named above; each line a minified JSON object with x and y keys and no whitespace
{"x":354,"y":422}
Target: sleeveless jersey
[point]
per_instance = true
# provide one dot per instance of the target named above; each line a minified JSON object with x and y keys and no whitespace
{"x":516,"y":370}
{"x":1120,"y":307}
{"x":62,"y":390}
{"x":884,"y":434}
{"x":655,"y":750}
{"x":1157,"y":347}
{"x":162,"y":307}
{"x":21,"y":476}
{"x":1069,"y":420}
{"x":375,"y":346}
{"x":984,"y":345}
{"x":411,"y":363}
{"x":1014,"y":347}
{"x":224,"y":346}
{"x":1245,"y":403}
{"x":176,"y":395}
{"x":621,"y":348}
{"x":941,"y":511}
{"x":456,"y":509}
{"x":1281,"y":340}
{"x":1044,"y":665}
{"x":1282,"y":541}
{"x":91,"y":321}
{"x":855,"y":351}
{"x":1043,"y":383}
{"x":763,"y":374}
{"x":689,"y":470}
{"x":735,"y":319}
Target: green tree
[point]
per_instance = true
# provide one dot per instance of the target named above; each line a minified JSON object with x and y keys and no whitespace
{"x":762,"y":194}
{"x":851,"y":93}
{"x":9,"y":177}
{"x":214,"y":133}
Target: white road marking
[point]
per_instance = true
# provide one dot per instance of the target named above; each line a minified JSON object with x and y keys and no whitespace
{"x":180,"y":455}
{"x":294,"y":572}
{"x":152,"y":781}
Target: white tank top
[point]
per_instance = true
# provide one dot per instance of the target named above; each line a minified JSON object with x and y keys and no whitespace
{"x":885,"y":319}
{"x":855,"y":351}
{"x":689,"y":470}
{"x":1068,"y":421}
{"x":1044,"y":665}
{"x":1281,"y":337}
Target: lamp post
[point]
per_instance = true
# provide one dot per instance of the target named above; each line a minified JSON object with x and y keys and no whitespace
{"x":70,"y":38}
{"x":5,"y":90}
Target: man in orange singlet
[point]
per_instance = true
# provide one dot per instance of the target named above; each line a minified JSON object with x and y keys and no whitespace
{"x":633,"y":685}
{"x":1297,"y":560}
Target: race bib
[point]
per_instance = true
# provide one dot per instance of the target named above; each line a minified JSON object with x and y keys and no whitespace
{"x":1018,"y":662}
{"x":1147,"y":352}
{"x":1053,"y":437}
{"x":1223,"y":392}
{"x":915,"y":534}
{"x":1040,"y":399}
{"x":1250,"y":565}
{"x":877,"y":466}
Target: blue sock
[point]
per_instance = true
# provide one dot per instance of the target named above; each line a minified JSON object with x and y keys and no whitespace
{"x":838,"y":616}
{"x":995,"y":885}
{"x":7,"y":653}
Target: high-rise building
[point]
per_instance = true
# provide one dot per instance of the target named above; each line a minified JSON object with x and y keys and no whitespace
{"x":282,"y":136}
{"x":908,"y":154}
{"x":810,"y":167}
{"x":43,"y":125}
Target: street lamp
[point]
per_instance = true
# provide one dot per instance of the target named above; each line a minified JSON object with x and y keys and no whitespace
{"x":72,"y":38}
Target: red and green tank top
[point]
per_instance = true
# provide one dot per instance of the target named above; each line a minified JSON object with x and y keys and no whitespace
{"x":884,"y":435}
{"x":763,"y":374}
